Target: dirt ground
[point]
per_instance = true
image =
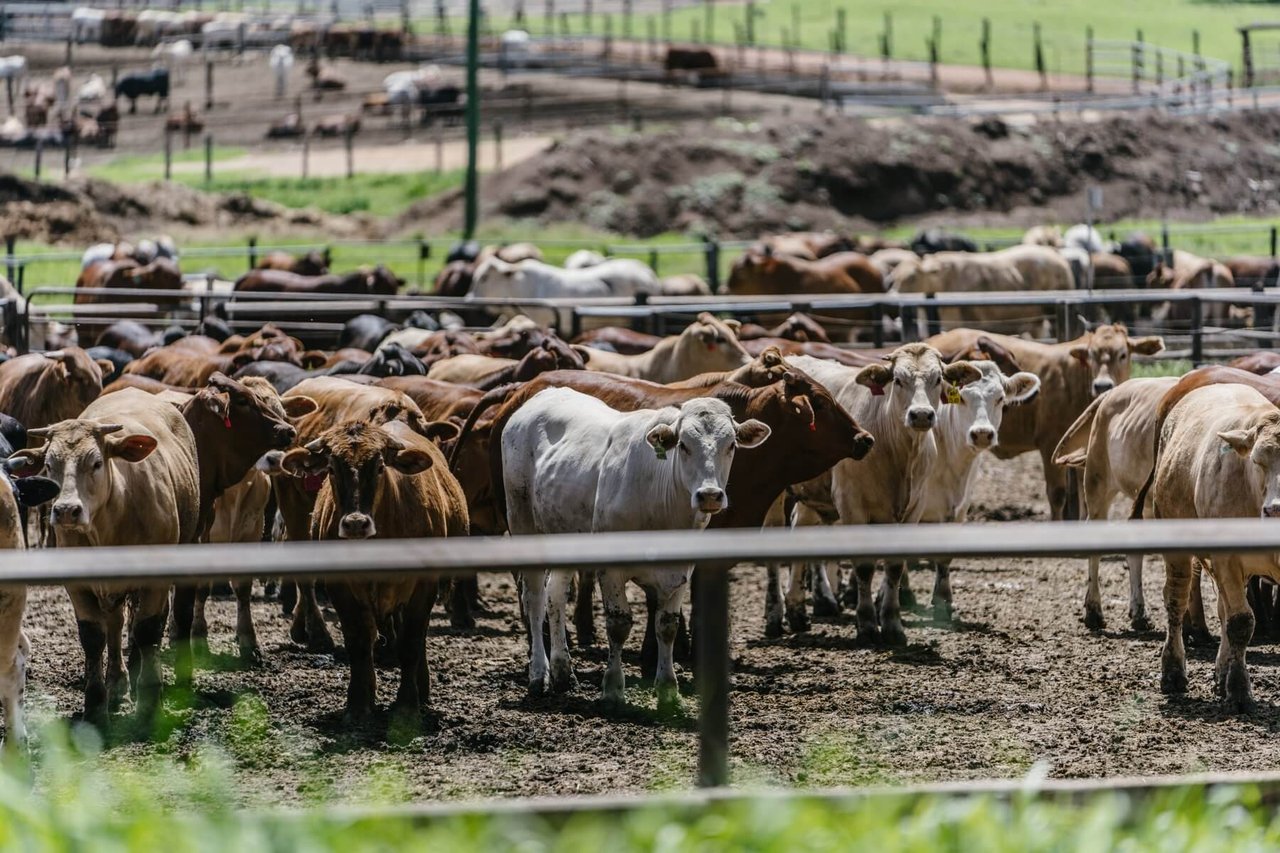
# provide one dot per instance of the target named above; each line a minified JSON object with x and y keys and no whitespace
{"x":1016,"y":681}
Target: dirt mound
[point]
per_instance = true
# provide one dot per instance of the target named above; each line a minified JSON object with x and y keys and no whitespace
{"x":733,"y":179}
{"x":87,"y":210}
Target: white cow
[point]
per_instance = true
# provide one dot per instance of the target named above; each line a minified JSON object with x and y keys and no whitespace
{"x":92,"y":90}
{"x":897,"y":402}
{"x":514,"y":52}
{"x":1113,"y":441}
{"x":281,"y":62}
{"x":571,"y":464}
{"x":584,"y":258}
{"x":86,"y":24}
{"x":1086,"y":238}
{"x":495,"y":278}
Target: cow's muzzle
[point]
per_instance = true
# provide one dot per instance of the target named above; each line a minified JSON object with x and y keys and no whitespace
{"x":1271,"y":509}
{"x":710,"y":500}
{"x":69,"y":515}
{"x":982,"y":437}
{"x":921,"y":418}
{"x":863,"y":441}
{"x":356,"y":525}
{"x":284,"y":436}
{"x":1102,"y":386}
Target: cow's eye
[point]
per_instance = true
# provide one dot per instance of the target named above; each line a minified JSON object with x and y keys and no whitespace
{"x":1123,"y":356}
{"x":685,"y":447}
{"x":97,"y":465}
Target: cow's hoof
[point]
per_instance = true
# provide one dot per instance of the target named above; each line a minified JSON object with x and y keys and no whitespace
{"x":869,"y":635}
{"x":1093,"y":619}
{"x":1173,"y":680}
{"x":669,"y":702}
{"x":462,"y":620}
{"x":585,"y":640}
{"x":297,"y":632}
{"x":537,"y":687}
{"x":907,"y":599}
{"x":773,"y":627}
{"x":1198,"y":637}
{"x":943,"y":611}
{"x":849,"y":598}
{"x":826,"y":607}
{"x":251,"y":658}
{"x":1240,"y":703}
{"x":798,"y":619}
{"x":562,"y":679}
{"x":321,"y":643}
{"x":893,"y":635}
{"x":1140,"y":622}
{"x":613,"y":701}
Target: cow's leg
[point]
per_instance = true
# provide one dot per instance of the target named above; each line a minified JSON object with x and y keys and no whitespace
{"x":1173,"y":657}
{"x":649,"y":643}
{"x":671,"y":594}
{"x":13,"y":683}
{"x":773,"y":601}
{"x":868,"y":623}
{"x":584,"y":617}
{"x":1093,"y":597}
{"x":462,"y":593}
{"x":184,"y":604}
{"x":117,"y":677}
{"x":943,"y":609}
{"x":1197,"y":627}
{"x":533,"y":601}
{"x":617,"y":621}
{"x":148,"y":631}
{"x":1138,"y":620}
{"x":1237,"y":628}
{"x":557,"y":606}
{"x":906,"y":598}
{"x":289,"y":602}
{"x":1055,"y":485}
{"x":200,"y":620}
{"x":414,"y":692}
{"x":91,"y":624}
{"x":359,"y":626}
{"x":308,"y":622}
{"x":795,"y":597}
{"x":826,"y":577}
{"x":246,"y":633}
{"x":891,"y":630}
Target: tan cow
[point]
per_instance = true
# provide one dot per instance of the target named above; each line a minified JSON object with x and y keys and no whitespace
{"x":1071,"y":374}
{"x":1219,"y":458}
{"x":707,"y":345}
{"x":42,"y":389}
{"x":467,"y":368}
{"x":1113,"y":442}
{"x":128,"y":475}
{"x":1190,"y":272}
{"x":387,"y":482}
{"x":1012,"y":269}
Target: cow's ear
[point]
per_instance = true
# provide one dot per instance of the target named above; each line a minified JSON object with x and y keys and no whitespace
{"x":131,"y":448}
{"x":218,"y":403}
{"x":410,"y":460}
{"x":662,"y":438}
{"x":1146,"y":346}
{"x":34,"y":491}
{"x":771,"y":357}
{"x":1080,"y":353}
{"x":585,"y":352}
{"x":1021,"y":388}
{"x":1240,"y":440}
{"x":735,"y":326}
{"x":270,"y":463}
{"x":875,"y":377}
{"x":105,"y":366}
{"x":24,"y":463}
{"x":302,"y":462}
{"x":313,"y":358}
{"x":752,"y":433}
{"x":296,"y":407}
{"x":961,"y":373}
{"x":440,"y":431}
{"x":240,"y":359}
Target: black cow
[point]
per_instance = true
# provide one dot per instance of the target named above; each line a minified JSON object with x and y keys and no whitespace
{"x":139,"y":83}
{"x":365,"y":331}
{"x":936,"y":240}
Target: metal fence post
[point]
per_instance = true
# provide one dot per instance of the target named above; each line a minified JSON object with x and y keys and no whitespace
{"x":711,"y":640}
{"x":713,"y":265}
{"x":208,"y":158}
{"x":10,"y":243}
{"x":1197,"y":331}
{"x":932,"y":319}
{"x":253,"y":252}
{"x":1088,"y":60}
{"x":424,"y":252}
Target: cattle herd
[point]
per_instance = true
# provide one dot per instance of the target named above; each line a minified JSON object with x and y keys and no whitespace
{"x":426,"y":428}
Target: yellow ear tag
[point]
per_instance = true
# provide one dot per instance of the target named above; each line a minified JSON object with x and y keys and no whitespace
{"x":660,"y":452}
{"x":953,"y":396}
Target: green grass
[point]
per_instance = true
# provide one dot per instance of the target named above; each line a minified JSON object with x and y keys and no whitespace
{"x":1167,"y":23}
{"x":86,"y":799}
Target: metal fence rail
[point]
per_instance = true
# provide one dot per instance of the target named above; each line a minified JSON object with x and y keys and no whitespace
{"x":714,"y":552}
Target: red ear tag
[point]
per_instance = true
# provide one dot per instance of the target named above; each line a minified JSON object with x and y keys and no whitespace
{"x":711,"y":347}
{"x":876,"y":390}
{"x":813,"y":426}
{"x":313,"y":482}
{"x":226,"y":421}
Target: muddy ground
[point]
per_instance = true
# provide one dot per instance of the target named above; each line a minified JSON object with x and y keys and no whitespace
{"x":1017,"y":680}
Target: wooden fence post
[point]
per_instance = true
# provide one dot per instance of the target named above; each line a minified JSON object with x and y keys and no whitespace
{"x":349,"y":140}
{"x":984,"y":47}
{"x":1088,"y":59}
{"x":751,"y":22}
{"x":935,"y":49}
{"x":168,"y":154}
{"x":709,"y":20}
{"x":1039,"y":56}
{"x":39,"y":156}
{"x":1246,"y":59}
{"x":306,"y":153}
{"x":208,"y":85}
{"x":497,"y":146}
{"x":1137,"y":62}
{"x":208,"y":158}
{"x":842,"y":30}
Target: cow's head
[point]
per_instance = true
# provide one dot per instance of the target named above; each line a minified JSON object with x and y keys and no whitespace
{"x":711,"y":344}
{"x":254,"y":416}
{"x":494,"y":276}
{"x":699,"y":444}
{"x":803,"y":328}
{"x":355,"y":455}
{"x":911,"y":380}
{"x":1260,"y":444}
{"x":81,"y":456}
{"x":79,"y":377}
{"x":1106,"y":351}
{"x":822,"y":425}
{"x":978,"y":400}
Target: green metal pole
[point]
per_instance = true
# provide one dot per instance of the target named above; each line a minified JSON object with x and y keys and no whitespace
{"x":473,"y":119}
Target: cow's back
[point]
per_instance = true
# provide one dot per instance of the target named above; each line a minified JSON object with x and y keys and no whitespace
{"x":1040,"y":267}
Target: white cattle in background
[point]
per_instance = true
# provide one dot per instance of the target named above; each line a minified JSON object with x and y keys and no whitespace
{"x":515,"y":49}
{"x":175,"y":56}
{"x":571,"y":464}
{"x":495,"y":278}
{"x":404,"y":87}
{"x":281,"y":62}
{"x":92,"y":91}
{"x":86,"y":24}
{"x":1084,"y":237}
{"x":584,"y":258}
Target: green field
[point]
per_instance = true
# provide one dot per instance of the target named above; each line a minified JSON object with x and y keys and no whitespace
{"x":1167,"y":23}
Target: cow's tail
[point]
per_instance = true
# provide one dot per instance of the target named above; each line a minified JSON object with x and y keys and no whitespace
{"x":489,"y":400}
{"x":1162,"y":414}
{"x":1074,"y":445}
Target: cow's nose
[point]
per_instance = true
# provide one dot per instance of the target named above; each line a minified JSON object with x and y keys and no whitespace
{"x":921,"y":418}
{"x":710,"y":499}
{"x":982,"y":437}
{"x":862,"y":444}
{"x":285,"y":435}
{"x":1271,"y":510}
{"x":1102,"y":386}
{"x":356,"y":525}
{"x":67,"y":513}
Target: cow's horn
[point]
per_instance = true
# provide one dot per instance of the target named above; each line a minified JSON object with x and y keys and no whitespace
{"x":1084,"y":321}
{"x":102,"y":429}
{"x":316,"y":446}
{"x":40,"y":432}
{"x":56,"y":355}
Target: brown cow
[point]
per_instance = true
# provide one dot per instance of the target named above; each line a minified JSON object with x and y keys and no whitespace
{"x":806,"y":245}
{"x":375,"y":281}
{"x":1071,"y":374}
{"x":1259,"y":363}
{"x":388,"y":482}
{"x":99,"y":279}
{"x":759,"y":274}
{"x":313,"y":263}
{"x":797,"y":327}
{"x":42,"y":389}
